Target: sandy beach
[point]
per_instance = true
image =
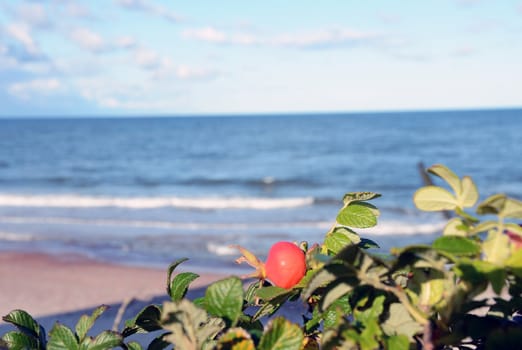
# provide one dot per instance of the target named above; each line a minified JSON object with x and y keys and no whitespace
{"x":47,"y":285}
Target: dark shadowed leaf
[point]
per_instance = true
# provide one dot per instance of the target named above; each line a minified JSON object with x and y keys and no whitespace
{"x":359,"y":196}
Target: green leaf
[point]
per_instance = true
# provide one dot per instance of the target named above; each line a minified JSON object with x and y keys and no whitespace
{"x":170,"y":271}
{"x":400,"y":322}
{"x":323,"y":277}
{"x":224,"y":298}
{"x":105,"y":340}
{"x":23,"y":321}
{"x":359,"y":197}
{"x":456,"y":245}
{"x":469,"y":195}
{"x":19,"y":341}
{"x":447,"y":175}
{"x":271,"y":292}
{"x":397,"y":342}
{"x":336,"y":312}
{"x":358,"y":214}
{"x":336,"y":290}
{"x":340,"y":238}
{"x":180,"y":284}
{"x":134,"y":346}
{"x":86,"y":322}
{"x":434,"y":198}
{"x":281,"y":335}
{"x":62,"y":338}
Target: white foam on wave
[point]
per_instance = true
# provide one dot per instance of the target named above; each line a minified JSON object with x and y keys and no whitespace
{"x":16,"y":237}
{"x":387,"y":228}
{"x":204,"y":203}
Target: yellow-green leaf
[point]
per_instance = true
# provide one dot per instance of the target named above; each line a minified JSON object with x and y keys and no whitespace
{"x":447,"y":175}
{"x":469,"y":195}
{"x":281,"y":335}
{"x":434,"y":198}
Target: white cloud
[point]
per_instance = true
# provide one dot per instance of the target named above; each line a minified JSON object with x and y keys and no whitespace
{"x":150,"y":7}
{"x":33,"y":14}
{"x":77,"y":10}
{"x":191,"y":73}
{"x":146,"y":58}
{"x":126,"y":42}
{"x":21,"y":32}
{"x":88,"y":39}
{"x":209,"y":34}
{"x":37,"y":86}
{"x":325,"y":38}
{"x":315,"y":39}
{"x":464,"y":51}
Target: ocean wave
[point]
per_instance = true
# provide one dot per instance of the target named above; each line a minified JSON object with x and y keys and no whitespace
{"x":203,"y":203}
{"x":16,"y":237}
{"x":388,"y":228}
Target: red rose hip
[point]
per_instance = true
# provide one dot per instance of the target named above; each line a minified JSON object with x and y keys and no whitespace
{"x":285,"y":265}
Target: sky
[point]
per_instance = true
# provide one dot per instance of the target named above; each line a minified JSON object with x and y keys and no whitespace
{"x":152,"y":57}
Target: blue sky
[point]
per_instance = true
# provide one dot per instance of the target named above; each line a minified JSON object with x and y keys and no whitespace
{"x":152,"y":57}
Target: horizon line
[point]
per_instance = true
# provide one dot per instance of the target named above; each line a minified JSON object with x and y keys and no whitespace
{"x":259,"y":114}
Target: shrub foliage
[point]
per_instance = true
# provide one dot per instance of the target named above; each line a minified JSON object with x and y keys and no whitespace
{"x":463,"y":291}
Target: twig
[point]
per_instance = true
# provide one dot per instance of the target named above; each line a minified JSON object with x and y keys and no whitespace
{"x":121,"y":312}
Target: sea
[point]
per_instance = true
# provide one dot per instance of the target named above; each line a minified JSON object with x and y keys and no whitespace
{"x":146,"y":191}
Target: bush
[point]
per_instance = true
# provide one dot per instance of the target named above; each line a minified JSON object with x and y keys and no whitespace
{"x":419,"y":296}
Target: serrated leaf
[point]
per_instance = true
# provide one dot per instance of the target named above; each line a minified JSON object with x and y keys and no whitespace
{"x":456,"y":245}
{"x":224,"y":298}
{"x":180,"y":284}
{"x":336,"y":312}
{"x":106,"y":340}
{"x":359,"y":196}
{"x":235,"y":339}
{"x":340,"y":238}
{"x":447,"y":175}
{"x":469,"y":195}
{"x":281,"y":335}
{"x":62,"y":338}
{"x":400,"y":322}
{"x":357,"y":214}
{"x":271,"y":292}
{"x":86,"y":322}
{"x":23,"y":321}
{"x":190,"y":327}
{"x":170,"y":271}
{"x":19,"y":341}
{"x":434,"y":198}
